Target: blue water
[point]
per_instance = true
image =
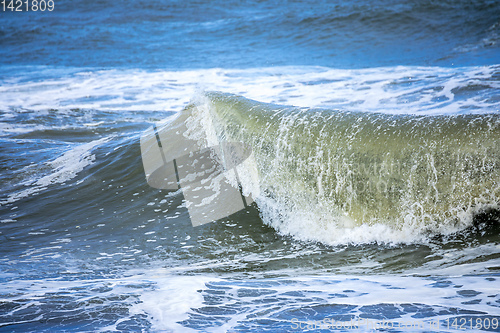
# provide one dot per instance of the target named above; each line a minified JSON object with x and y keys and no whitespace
{"x":235,"y":34}
{"x":86,"y":245}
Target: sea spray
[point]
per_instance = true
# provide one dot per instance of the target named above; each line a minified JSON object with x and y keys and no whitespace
{"x":339,"y":176}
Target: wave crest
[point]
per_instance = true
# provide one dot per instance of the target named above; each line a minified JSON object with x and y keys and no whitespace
{"x":337,"y":176}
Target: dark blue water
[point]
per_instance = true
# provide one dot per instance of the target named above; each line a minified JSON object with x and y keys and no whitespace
{"x":243,"y":34}
{"x":86,"y":245}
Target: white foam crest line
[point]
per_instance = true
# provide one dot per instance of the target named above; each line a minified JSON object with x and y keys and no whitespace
{"x":169,"y":299}
{"x":65,"y":167}
{"x":304,"y":226}
{"x":392,"y":89}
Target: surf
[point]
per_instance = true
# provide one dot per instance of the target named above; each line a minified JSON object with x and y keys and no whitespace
{"x":337,"y":176}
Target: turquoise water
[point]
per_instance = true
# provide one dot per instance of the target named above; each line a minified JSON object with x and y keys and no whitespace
{"x":87,"y":245}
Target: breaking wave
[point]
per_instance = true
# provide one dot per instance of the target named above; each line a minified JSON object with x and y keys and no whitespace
{"x":337,"y":176}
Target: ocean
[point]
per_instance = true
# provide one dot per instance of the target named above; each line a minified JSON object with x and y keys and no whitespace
{"x":369,"y":173}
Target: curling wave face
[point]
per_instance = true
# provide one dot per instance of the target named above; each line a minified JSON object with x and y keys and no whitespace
{"x":336,"y":176}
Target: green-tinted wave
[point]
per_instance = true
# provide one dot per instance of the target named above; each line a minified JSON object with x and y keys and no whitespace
{"x":329,"y":171}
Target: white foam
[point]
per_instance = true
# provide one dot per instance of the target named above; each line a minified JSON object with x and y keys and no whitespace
{"x":63,"y":168}
{"x":310,"y":218}
{"x":308,"y":224}
{"x":423,"y":90}
{"x":179,"y":303}
{"x":171,"y":301}
{"x":176,"y":300}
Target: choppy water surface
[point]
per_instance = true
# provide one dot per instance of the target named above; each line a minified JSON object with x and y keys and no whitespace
{"x":335,"y":100}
